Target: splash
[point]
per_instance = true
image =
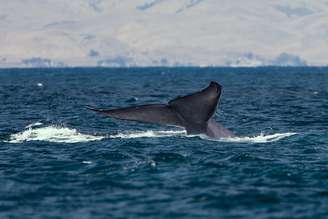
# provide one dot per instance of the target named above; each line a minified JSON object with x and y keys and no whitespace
{"x":59,"y":134}
{"x":150,"y":134}
{"x":39,"y":132}
{"x":262,"y":138}
{"x":51,"y":134}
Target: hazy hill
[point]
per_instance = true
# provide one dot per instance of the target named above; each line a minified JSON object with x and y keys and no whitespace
{"x":163,"y":32}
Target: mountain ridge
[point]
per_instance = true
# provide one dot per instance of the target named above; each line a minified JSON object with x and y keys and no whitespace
{"x":163,"y":33}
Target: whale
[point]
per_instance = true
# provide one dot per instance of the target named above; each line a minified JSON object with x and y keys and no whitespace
{"x":194,"y":112}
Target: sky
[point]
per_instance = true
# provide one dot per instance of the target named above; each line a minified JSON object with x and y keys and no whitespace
{"x":48,"y":33}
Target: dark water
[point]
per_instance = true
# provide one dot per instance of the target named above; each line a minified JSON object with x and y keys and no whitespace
{"x":74,"y":163}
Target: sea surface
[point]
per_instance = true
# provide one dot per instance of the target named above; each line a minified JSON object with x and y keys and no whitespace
{"x":60,"y":160}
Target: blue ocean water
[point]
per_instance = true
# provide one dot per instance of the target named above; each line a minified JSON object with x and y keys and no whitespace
{"x":60,"y":160}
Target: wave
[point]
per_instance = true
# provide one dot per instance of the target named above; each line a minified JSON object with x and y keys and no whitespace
{"x":262,"y":138}
{"x":150,"y":134}
{"x":58,"y":134}
{"x":51,"y":133}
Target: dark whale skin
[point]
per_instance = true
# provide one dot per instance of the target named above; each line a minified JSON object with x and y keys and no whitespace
{"x":193,"y":112}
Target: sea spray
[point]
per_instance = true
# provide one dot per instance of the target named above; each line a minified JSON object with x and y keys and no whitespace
{"x":59,"y":134}
{"x":52,"y":133}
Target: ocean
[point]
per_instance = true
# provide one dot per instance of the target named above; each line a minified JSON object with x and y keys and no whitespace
{"x":60,"y":160}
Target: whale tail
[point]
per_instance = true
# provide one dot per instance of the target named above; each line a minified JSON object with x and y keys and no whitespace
{"x":191,"y":112}
{"x":152,"y":113}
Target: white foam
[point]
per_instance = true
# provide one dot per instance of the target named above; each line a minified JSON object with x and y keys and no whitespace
{"x":52,"y":134}
{"x":262,"y":138}
{"x":33,"y":125}
{"x":150,"y":134}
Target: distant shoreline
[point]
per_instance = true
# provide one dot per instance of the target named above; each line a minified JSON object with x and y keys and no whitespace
{"x":168,"y":67}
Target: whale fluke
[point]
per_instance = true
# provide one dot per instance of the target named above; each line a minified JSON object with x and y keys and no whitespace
{"x":152,"y":113}
{"x":192,"y":112}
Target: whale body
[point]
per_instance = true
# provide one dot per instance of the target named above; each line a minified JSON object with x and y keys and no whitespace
{"x":193,"y":112}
